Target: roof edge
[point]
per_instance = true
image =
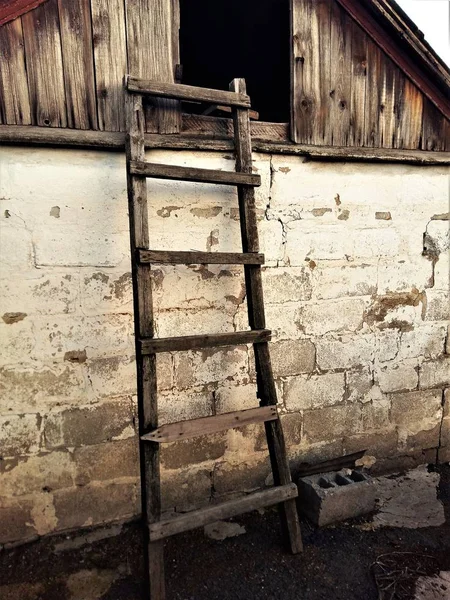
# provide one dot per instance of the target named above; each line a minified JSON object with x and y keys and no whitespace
{"x":11,"y":9}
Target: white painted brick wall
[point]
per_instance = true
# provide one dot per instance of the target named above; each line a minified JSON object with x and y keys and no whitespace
{"x":357,"y":305}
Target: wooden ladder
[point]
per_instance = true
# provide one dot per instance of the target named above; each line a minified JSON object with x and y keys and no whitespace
{"x":284,"y":491}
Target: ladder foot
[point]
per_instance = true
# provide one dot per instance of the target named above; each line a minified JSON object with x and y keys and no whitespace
{"x":291,"y":524}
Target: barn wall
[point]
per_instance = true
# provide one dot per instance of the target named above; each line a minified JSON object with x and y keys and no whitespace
{"x":63,"y":65}
{"x":348,"y":92}
{"x":358,"y":310}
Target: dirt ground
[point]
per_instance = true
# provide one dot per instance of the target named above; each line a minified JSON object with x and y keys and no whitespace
{"x":336,"y":563}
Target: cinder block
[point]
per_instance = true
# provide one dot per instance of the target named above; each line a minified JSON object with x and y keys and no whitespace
{"x":344,"y":314}
{"x":332,"y":497}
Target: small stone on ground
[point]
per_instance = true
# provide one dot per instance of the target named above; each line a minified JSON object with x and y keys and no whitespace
{"x":221,"y":530}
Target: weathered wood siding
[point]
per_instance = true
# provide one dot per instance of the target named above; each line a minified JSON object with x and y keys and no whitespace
{"x":346,"y":91}
{"x":63,"y":64}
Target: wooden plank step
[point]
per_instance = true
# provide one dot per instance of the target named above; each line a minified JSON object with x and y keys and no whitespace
{"x":200,"y":258}
{"x":194,"y":342}
{"x":158,"y":171}
{"x":225,"y":510}
{"x":189,"y":93}
{"x":183,"y":430}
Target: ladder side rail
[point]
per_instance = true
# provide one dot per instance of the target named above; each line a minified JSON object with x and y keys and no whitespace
{"x":255,"y":302}
{"x":146,"y":364}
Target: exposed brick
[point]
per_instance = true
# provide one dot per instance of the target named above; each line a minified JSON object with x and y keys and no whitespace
{"x":331,"y":423}
{"x":110,"y":460}
{"x":229,"y":398}
{"x":18,"y":341}
{"x":292,"y":429}
{"x":416,"y":411}
{"x":106,"y":292}
{"x":182,"y":454}
{"x":180,"y":406}
{"x":403,"y":275}
{"x":89,"y":425}
{"x":16,"y":522}
{"x":196,"y":286}
{"x":112,"y":376}
{"x":194,"y":321}
{"x":185,"y":489}
{"x":381,"y":443}
{"x":206,"y":366}
{"x":435,"y":373}
{"x":335,"y":315}
{"x":26,"y":388}
{"x":43,"y":472}
{"x":345,"y":352}
{"x":398,"y":376}
{"x":282,"y":321}
{"x":83,"y":506}
{"x":359,"y":383}
{"x":422,"y":440}
{"x":19,"y":434}
{"x":100,"y":336}
{"x":286,"y":284}
{"x":383,"y":216}
{"x":41,"y":293}
{"x":314,"y":391}
{"x":246,"y":476}
{"x":312,"y":453}
{"x":427,"y":341}
{"x":292,"y":357}
{"x":344,"y":281}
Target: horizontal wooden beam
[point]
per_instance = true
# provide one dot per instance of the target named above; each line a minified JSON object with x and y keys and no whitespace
{"x":189,"y":93}
{"x":200,"y":258}
{"x":110,"y":140}
{"x":225,"y":510}
{"x":183,"y":430}
{"x":174,"y":172}
{"x":196,"y":342}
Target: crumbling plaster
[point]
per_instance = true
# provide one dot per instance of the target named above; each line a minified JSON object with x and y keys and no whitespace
{"x":356,"y":289}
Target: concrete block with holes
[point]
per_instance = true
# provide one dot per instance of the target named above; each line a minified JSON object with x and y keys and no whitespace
{"x":331,"y":497}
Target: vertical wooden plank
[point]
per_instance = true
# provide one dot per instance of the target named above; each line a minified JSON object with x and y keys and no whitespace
{"x":321,"y":69}
{"x":146,"y":365}
{"x":373,"y":93}
{"x":153,"y":53}
{"x":358,"y":83}
{"x":78,"y":63}
{"x":311,"y":71}
{"x":340,"y":76}
{"x":44,"y":65}
{"x":255,"y":303}
{"x":110,"y":56}
{"x":14,"y":96}
{"x":433,"y":128}
{"x":302,"y":101}
{"x":409,"y":108}
{"x":389,"y":80}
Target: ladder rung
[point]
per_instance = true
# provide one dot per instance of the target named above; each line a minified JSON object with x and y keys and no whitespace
{"x":184,"y":430}
{"x":193,"y":174}
{"x":225,"y":510}
{"x":190,"y":93}
{"x":200,"y":258}
{"x":194,"y":342}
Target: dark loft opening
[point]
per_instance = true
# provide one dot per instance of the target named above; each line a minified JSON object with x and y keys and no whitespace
{"x":223,"y":39}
